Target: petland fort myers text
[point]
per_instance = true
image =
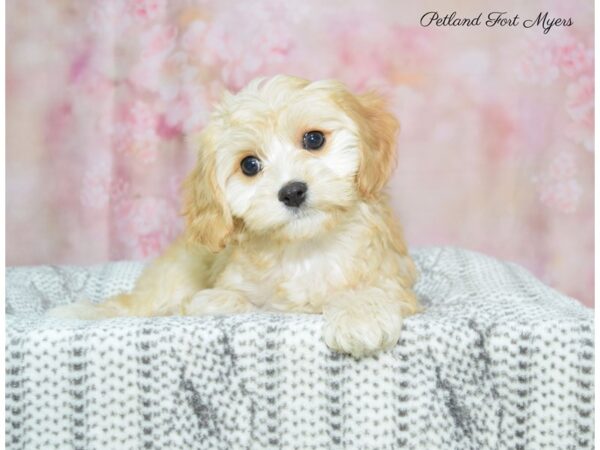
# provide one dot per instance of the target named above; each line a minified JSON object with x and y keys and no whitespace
{"x":495,"y":19}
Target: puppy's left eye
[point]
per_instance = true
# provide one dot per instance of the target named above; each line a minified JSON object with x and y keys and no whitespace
{"x":313,"y":140}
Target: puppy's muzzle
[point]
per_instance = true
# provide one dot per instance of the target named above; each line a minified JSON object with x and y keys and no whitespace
{"x":293,"y":194}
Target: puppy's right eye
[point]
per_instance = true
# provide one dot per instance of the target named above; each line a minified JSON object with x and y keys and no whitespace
{"x":250,"y":165}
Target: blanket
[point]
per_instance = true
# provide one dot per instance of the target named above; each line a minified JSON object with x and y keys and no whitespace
{"x":497,"y":360}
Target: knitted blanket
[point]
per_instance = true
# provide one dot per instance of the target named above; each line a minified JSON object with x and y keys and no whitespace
{"x":497,"y":361}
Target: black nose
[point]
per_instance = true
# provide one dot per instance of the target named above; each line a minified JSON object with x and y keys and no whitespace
{"x":293,"y":194}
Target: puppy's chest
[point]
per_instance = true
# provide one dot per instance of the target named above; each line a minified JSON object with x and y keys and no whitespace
{"x":297,"y":280}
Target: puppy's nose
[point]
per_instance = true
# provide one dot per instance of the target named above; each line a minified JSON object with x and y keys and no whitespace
{"x":293,"y":194}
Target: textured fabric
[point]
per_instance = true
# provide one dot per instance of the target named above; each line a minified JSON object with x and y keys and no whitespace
{"x":497,"y":360}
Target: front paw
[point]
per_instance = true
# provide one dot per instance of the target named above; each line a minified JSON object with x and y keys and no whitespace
{"x":360,"y":328}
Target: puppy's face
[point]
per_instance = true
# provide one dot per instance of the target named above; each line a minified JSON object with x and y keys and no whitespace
{"x":286,"y":157}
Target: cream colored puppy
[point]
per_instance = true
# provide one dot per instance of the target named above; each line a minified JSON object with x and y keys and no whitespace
{"x":285,"y":213}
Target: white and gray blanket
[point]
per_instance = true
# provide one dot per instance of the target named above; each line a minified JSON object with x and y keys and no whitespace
{"x":497,"y":361}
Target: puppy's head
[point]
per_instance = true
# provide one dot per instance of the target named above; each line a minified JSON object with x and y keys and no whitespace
{"x":287,"y":158}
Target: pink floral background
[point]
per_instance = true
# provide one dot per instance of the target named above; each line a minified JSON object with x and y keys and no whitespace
{"x":495,"y":154}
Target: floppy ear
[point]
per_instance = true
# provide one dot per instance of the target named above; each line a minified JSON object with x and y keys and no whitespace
{"x":378,"y":128}
{"x":208,"y":219}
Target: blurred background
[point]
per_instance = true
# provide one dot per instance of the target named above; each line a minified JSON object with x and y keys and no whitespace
{"x":495,"y":152}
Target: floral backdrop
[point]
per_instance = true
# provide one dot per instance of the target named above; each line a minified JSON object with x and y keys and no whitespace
{"x":495,"y":153}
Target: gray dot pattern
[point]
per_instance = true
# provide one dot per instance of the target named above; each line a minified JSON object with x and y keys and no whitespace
{"x":497,"y":360}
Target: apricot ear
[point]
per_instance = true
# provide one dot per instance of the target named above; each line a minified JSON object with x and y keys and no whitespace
{"x":208,"y":219}
{"x":378,"y":128}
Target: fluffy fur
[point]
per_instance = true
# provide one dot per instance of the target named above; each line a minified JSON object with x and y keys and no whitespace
{"x":341,"y":253}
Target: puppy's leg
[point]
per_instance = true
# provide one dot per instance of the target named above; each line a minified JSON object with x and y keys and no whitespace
{"x":164,"y":287}
{"x":364,"y":321}
{"x":120,"y":305}
{"x":218,"y":301}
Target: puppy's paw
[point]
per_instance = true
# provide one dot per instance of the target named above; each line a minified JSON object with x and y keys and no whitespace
{"x":117,"y":306}
{"x":360,"y":327}
{"x":217,"y":302}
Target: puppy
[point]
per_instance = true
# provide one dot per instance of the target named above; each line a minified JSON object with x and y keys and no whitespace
{"x":284,"y":212}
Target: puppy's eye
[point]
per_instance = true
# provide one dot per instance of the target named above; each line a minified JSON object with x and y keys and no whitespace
{"x":313,"y":140}
{"x":250,"y":165}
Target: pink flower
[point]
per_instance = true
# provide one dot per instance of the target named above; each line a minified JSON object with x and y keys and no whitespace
{"x":574,"y":58}
{"x":543,"y":60}
{"x":148,"y":9}
{"x":580,"y":100}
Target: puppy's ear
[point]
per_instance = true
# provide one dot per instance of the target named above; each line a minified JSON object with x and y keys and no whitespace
{"x":208,"y":219}
{"x":378,"y":129}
